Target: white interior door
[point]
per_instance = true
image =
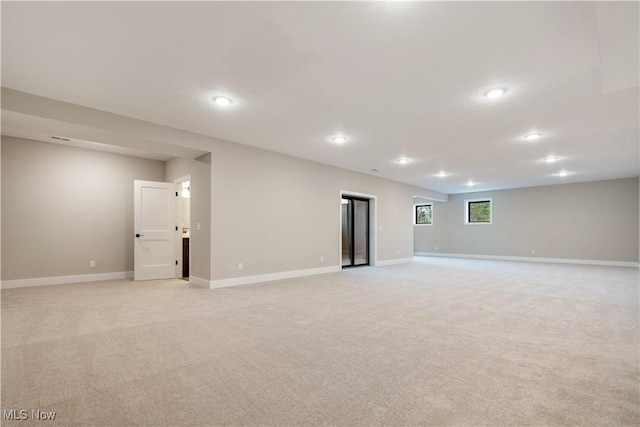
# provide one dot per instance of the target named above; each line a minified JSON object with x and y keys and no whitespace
{"x":154,"y":227}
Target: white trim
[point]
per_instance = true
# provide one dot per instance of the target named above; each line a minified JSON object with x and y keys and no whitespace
{"x":373,"y":225}
{"x":394,"y":261}
{"x":246,"y":280}
{"x":62,"y":280}
{"x":178,"y":247}
{"x":466,"y":210}
{"x":532,"y":259}
{"x":182,"y":179}
{"x":199,"y":282}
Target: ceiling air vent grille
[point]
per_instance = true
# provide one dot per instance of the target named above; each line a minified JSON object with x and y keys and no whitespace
{"x":60,"y":138}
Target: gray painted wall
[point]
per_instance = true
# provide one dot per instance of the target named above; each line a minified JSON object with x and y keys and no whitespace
{"x":64,"y":206}
{"x":276,"y":213}
{"x":587,"y":221}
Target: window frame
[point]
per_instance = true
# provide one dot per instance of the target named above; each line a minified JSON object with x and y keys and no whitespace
{"x":415,"y":213}
{"x":467,"y":211}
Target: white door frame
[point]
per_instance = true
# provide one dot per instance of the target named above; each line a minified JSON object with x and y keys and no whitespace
{"x":373,"y":225}
{"x":178,"y":182}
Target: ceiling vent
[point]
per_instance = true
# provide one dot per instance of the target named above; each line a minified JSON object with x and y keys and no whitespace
{"x":60,"y":138}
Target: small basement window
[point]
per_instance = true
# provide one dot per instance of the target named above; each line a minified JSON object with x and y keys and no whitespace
{"x":423,"y":214}
{"x":478,"y":211}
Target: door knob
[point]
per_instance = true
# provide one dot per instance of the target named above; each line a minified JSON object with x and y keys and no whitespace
{"x":139,"y":235}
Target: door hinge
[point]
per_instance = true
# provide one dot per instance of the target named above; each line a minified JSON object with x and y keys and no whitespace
{"x":176,"y":228}
{"x":176,"y":262}
{"x":176,"y":194}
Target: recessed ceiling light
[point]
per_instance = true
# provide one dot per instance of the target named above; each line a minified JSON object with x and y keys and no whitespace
{"x":551,"y":159}
{"x":563,"y":173}
{"x":495,"y":93}
{"x":441,"y":174}
{"x":339,"y":139}
{"x":222,"y":101}
{"x":532,"y":136}
{"x":403,"y":161}
{"x":470,"y":183}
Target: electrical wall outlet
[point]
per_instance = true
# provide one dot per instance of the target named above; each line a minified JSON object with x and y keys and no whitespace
{"x":533,"y":251}
{"x":240,"y":266}
{"x":436,"y":248}
{"x":321,"y":258}
{"x":92,"y":264}
{"x":397,"y":251}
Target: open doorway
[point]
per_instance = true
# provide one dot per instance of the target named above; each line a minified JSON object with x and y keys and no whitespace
{"x":183,"y":245}
{"x":355,"y":231}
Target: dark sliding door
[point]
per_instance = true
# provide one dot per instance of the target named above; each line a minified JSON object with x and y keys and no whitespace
{"x":355,"y":231}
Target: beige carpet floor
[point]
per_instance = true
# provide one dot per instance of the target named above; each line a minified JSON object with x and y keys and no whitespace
{"x":433,"y":342}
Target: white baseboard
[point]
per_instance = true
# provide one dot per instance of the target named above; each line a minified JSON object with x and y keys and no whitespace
{"x":246,"y":280}
{"x":199,"y":282}
{"x":61,"y":280}
{"x":532,"y":259}
{"x":393,"y":261}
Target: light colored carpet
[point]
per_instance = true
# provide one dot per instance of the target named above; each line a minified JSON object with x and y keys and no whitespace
{"x":433,"y":342}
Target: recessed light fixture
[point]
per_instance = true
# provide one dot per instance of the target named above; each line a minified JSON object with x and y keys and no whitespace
{"x":550,"y":159}
{"x":563,"y":173}
{"x":441,"y":174}
{"x":532,"y":136}
{"x":495,"y":93}
{"x":470,"y":183}
{"x":222,"y":101}
{"x":403,"y":161}
{"x":339,"y":139}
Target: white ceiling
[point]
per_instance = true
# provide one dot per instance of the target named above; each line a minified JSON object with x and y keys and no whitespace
{"x":397,"y":78}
